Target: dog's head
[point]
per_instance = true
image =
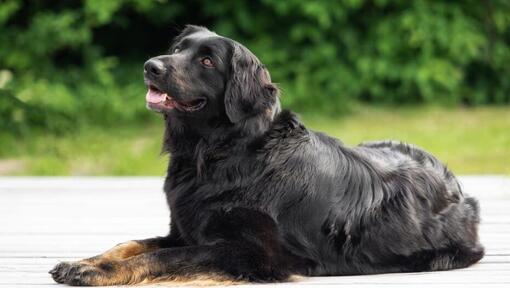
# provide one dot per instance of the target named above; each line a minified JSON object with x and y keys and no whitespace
{"x":207,"y":75}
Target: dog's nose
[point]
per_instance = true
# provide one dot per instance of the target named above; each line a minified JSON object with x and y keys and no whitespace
{"x":154,"y":67}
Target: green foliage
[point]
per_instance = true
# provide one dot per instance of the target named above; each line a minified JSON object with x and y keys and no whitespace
{"x":64,"y":64}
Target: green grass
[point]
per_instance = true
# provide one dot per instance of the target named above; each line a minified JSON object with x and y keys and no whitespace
{"x":470,"y":141}
{"x":92,"y":151}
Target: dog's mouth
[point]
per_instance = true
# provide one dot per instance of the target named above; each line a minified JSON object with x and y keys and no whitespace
{"x":160,"y":101}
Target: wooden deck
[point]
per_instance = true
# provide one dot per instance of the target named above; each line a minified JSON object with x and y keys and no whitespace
{"x":45,"y":220}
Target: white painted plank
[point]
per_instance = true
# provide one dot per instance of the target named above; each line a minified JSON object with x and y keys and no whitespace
{"x":449,"y":277}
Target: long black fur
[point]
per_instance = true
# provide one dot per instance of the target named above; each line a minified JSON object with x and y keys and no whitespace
{"x":259,"y":197}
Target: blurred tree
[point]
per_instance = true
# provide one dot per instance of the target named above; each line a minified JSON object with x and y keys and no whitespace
{"x":67,"y":63}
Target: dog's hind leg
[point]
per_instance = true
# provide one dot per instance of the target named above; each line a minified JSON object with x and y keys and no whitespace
{"x":456,"y":257}
{"x":461,"y":228}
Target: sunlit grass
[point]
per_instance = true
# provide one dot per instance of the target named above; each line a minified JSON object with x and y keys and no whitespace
{"x":470,"y":141}
{"x":93,"y":151}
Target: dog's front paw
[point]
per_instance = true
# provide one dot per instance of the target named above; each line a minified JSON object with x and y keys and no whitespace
{"x":76,"y":274}
{"x":60,"y":271}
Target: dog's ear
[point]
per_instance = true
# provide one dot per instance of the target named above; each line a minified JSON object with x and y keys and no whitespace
{"x":249,"y":91}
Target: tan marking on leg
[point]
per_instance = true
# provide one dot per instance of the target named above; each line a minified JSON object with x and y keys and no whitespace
{"x":296,"y":278}
{"x":126,"y":250}
{"x":119,"y":252}
{"x":201,"y":279}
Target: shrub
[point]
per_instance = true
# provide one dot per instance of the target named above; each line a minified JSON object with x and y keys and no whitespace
{"x":67,"y":63}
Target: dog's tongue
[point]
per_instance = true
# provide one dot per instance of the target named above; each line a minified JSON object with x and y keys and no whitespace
{"x":154,"y":96}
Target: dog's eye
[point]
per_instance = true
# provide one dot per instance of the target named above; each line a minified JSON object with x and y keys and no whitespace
{"x":176,"y":50}
{"x":206,"y":61}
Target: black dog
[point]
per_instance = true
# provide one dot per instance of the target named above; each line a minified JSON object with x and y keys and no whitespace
{"x":255,"y":196}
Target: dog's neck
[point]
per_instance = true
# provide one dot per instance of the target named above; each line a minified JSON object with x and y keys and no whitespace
{"x":184,"y":137}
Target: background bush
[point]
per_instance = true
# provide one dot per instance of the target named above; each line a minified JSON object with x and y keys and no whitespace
{"x":64,"y":63}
